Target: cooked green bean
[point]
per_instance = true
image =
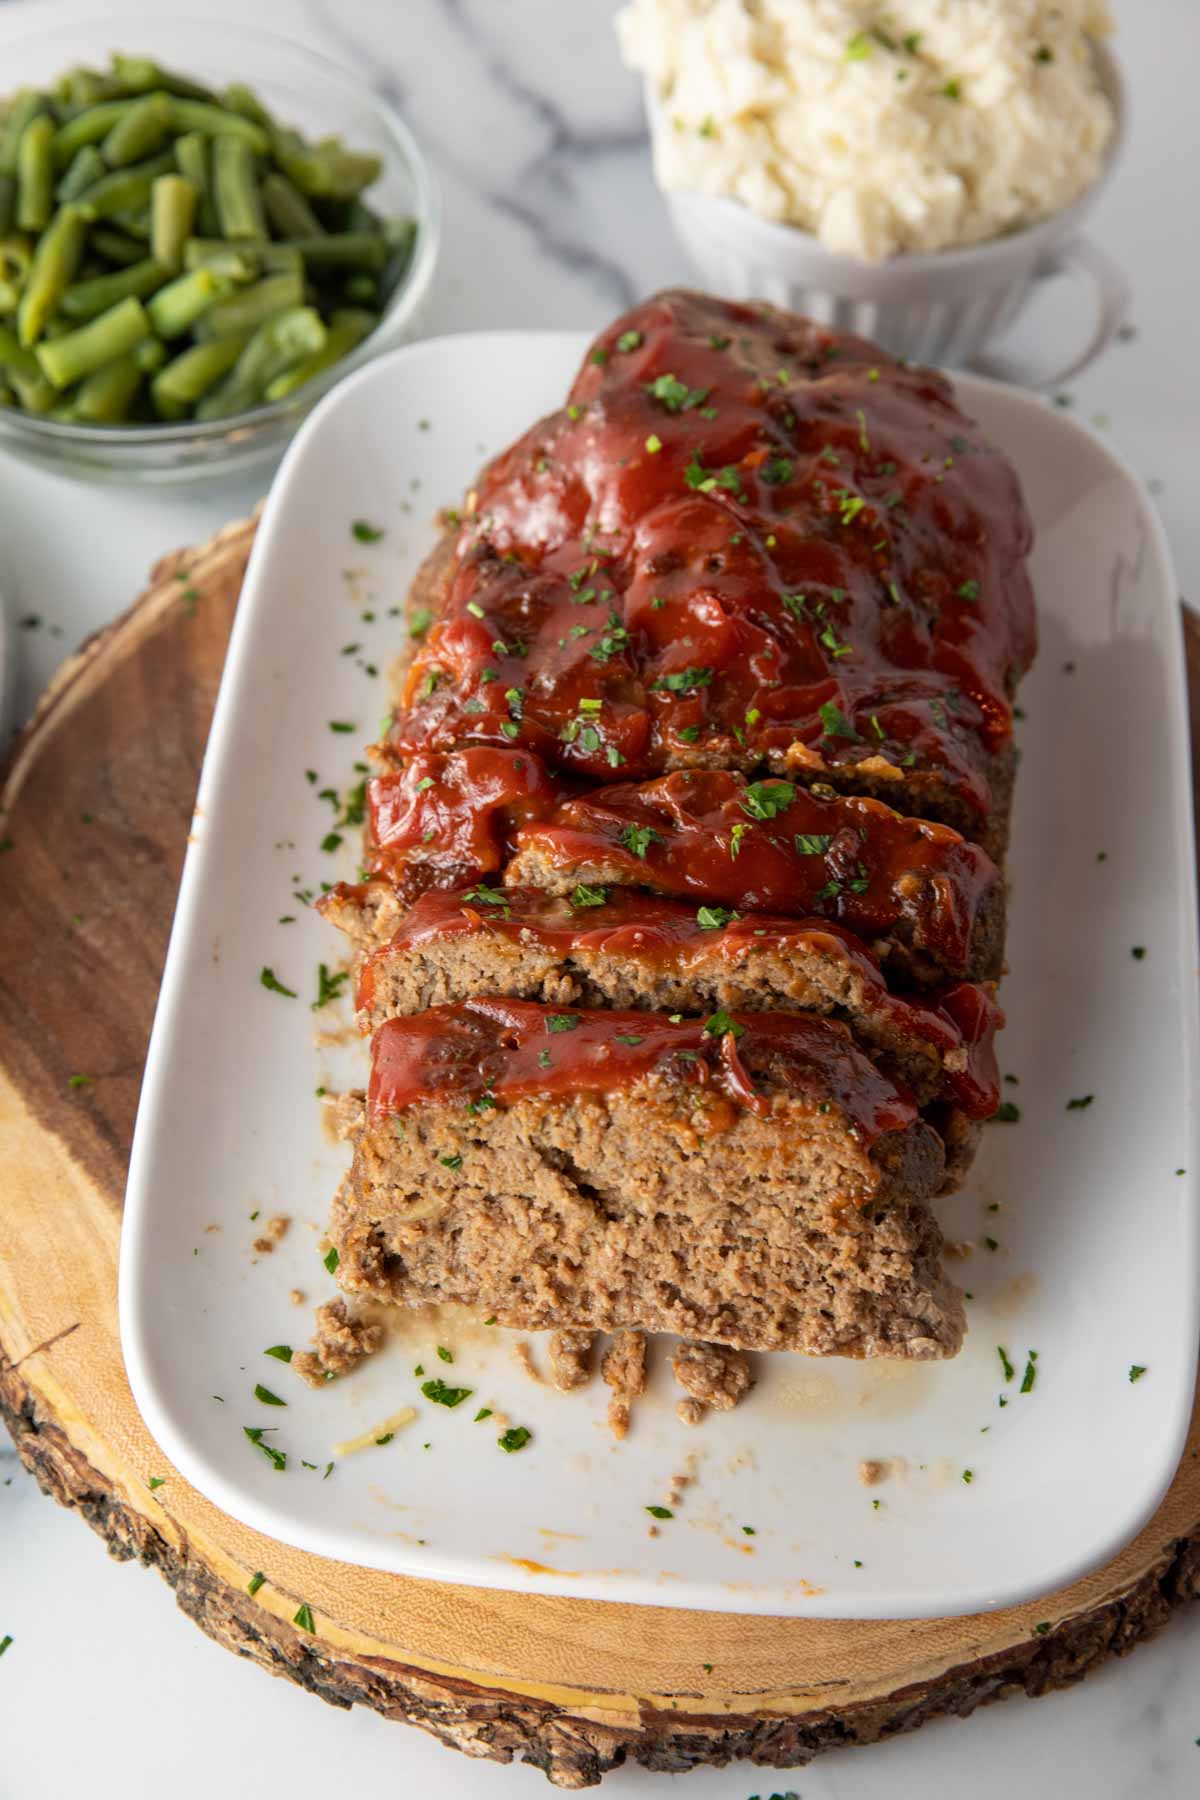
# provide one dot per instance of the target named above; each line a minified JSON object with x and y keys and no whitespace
{"x":215,"y":122}
{"x":36,"y":394}
{"x":139,"y":74}
{"x":88,"y":299}
{"x":16,"y":259}
{"x":8,"y":199}
{"x":150,"y":354}
{"x":14,"y":356}
{"x":239,"y":209}
{"x":88,"y":128}
{"x":135,"y":222}
{"x":172,"y":209}
{"x":35,"y":174}
{"x":125,"y":190}
{"x":10,"y":295}
{"x":361,"y":289}
{"x":247,"y":310}
{"x":289,"y":212}
{"x":324,"y":171}
{"x":349,"y":250}
{"x":233,"y":263}
{"x":86,"y":168}
{"x":345,"y":332}
{"x":187,"y":378}
{"x":278,"y":343}
{"x":274,"y":258}
{"x":81,"y":88}
{"x":113,"y":334}
{"x":116,"y":246}
{"x":139,"y":132}
{"x":241,"y":99}
{"x":191,"y":156}
{"x":55,"y":261}
{"x":104,"y":397}
{"x":175,"y":308}
{"x":25,"y":107}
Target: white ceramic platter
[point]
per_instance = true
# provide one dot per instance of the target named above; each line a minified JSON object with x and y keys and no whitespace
{"x":992,"y":1495}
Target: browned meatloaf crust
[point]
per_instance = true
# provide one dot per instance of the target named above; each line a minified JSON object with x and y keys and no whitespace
{"x":628,"y":949}
{"x":762,"y":1187}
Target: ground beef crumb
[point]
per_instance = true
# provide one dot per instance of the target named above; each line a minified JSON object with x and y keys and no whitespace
{"x":624,"y":1369}
{"x":691,"y":1412}
{"x":273,"y":1231}
{"x":341,"y":1343}
{"x":957,"y":1249}
{"x":870,"y":1472}
{"x":571,"y":1358}
{"x":297,"y":1296}
{"x":712,"y":1373}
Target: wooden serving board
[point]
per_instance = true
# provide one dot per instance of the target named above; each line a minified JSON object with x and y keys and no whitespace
{"x":97,"y":805}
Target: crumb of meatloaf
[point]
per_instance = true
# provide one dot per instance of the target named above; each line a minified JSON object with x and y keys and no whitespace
{"x":340,"y":1344}
{"x":523,"y":1356}
{"x":623,"y":1367}
{"x":297,"y":1296}
{"x":571,"y":1359}
{"x":711,"y":1373}
{"x":274,"y":1231}
{"x":691,"y":1412}
{"x":871,"y":1472}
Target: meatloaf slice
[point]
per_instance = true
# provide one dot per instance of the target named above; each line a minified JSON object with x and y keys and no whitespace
{"x":627,"y":949}
{"x":752,"y":1180}
{"x":928,"y":901}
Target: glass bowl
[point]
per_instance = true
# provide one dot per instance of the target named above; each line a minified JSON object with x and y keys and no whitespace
{"x":300,"y":87}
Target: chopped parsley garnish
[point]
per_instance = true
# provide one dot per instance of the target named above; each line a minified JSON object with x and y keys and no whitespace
{"x":675,"y":395}
{"x":1043,"y":54}
{"x":486,"y":896}
{"x":1080,"y":1103}
{"x":365,"y":533}
{"x":951,"y":91}
{"x":304,"y":1619}
{"x":849,"y":505}
{"x":599,"y":356}
{"x":969,"y":590}
{"x":653,"y":444}
{"x":1030,"y":1375}
{"x":660,"y":1512}
{"x":329,"y":986}
{"x":683,"y":681}
{"x":765,"y":799}
{"x":735,"y":837}
{"x":624,"y":1037}
{"x":257,"y":1435}
{"x":1005,"y":1364}
{"x":859,"y":47}
{"x":968,"y":1476}
{"x":1138,"y":952}
{"x":266,"y":1396}
{"x":281,"y":1352}
{"x":1136,"y":1371}
{"x":834,"y":722}
{"x":715,"y":918}
{"x":722,"y":1025}
{"x":515,"y":1438}
{"x":563,"y":1021}
{"x":485,"y":1412}
{"x":615,"y":639}
{"x":543,"y":1059}
{"x":331,"y":1258}
{"x":255,"y":1582}
{"x":638,"y":839}
{"x":794,"y":604}
{"x":583,"y":896}
{"x":629,"y":340}
{"x":812,"y":843}
{"x":444,"y":1354}
{"x":441,"y":1395}
{"x":452,"y":1162}
{"x":835,"y":645}
{"x":1006,"y":1113}
{"x":156,"y":1481}
{"x":271,"y":981}
{"x":776,"y":471}
{"x":706,"y":480}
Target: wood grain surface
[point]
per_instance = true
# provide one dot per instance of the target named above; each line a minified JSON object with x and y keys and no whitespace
{"x":97,"y":806}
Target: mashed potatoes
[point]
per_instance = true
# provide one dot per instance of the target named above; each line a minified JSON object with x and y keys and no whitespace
{"x":908,"y":126}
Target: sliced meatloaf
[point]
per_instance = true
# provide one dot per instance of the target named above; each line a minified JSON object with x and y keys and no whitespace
{"x":751,"y":1180}
{"x":626,"y":949}
{"x":745,"y":542}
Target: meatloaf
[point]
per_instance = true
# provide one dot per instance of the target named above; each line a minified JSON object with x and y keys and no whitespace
{"x":750,"y":1180}
{"x":685,"y":905}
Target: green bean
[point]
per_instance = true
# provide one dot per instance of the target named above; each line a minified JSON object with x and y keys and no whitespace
{"x":8,"y":200}
{"x":10,"y":294}
{"x":150,"y":354}
{"x":58,"y":254}
{"x":276,"y":345}
{"x":14,"y":356}
{"x":323,"y":171}
{"x":289,"y":212}
{"x":35,"y":393}
{"x":172,"y":209}
{"x":116,"y":245}
{"x":247,"y":310}
{"x":87,"y":167}
{"x":229,"y":263}
{"x":135,"y":222}
{"x":16,"y":260}
{"x":191,"y":156}
{"x":81,"y":88}
{"x":241,"y":99}
{"x":351,"y":250}
{"x":239,"y":209}
{"x":125,"y":190}
{"x":214,"y":121}
{"x":113,"y":334}
{"x":139,"y":74}
{"x":104,"y":398}
{"x":360,"y":288}
{"x":139,"y":132}
{"x":187,"y":378}
{"x":24,"y":108}
{"x":177,"y":307}
{"x":88,"y":299}
{"x":88,"y":128}
{"x":345,"y":332}
{"x":35,"y":174}
{"x":276,"y":258}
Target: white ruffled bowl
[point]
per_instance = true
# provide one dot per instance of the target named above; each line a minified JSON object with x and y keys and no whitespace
{"x":941,"y":306}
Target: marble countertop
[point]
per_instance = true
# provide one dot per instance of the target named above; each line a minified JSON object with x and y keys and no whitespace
{"x":551,"y":219}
